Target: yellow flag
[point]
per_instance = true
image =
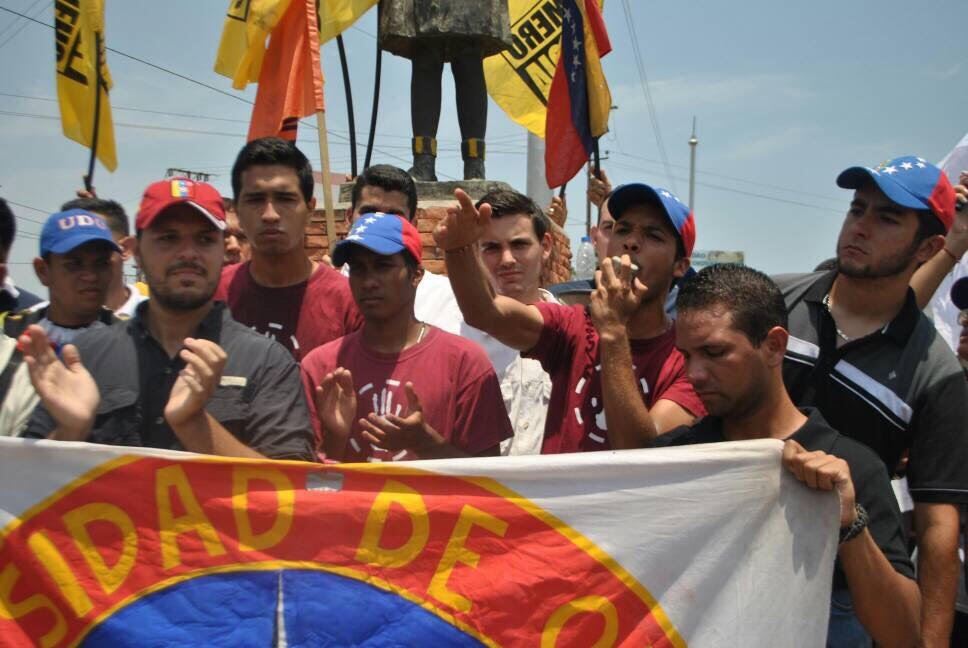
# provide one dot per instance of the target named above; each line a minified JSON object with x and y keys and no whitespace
{"x":78,"y":36}
{"x":336,"y":16}
{"x":248,"y":24}
{"x":519,"y":78}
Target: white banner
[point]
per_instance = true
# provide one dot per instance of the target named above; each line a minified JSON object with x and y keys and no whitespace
{"x":713,"y":545}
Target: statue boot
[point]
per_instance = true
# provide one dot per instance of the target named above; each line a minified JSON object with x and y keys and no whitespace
{"x":424,"y":159}
{"x":472,"y":150}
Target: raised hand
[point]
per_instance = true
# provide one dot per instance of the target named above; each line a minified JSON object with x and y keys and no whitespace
{"x":336,"y":405}
{"x":598,"y":188}
{"x":204,"y":361}
{"x":394,"y":433}
{"x":822,"y":471}
{"x":558,"y":210}
{"x":616,"y":297}
{"x":464,"y":223}
{"x":65,"y":387}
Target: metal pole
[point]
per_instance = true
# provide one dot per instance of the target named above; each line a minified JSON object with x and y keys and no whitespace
{"x":349,"y":102}
{"x":376,"y":91}
{"x":537,"y":186}
{"x":693,"y":142}
{"x":98,"y":80}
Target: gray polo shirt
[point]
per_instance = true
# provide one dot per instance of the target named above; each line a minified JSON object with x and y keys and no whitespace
{"x":898,"y":389}
{"x":260,"y":399}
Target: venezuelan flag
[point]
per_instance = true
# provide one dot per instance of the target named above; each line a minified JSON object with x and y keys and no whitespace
{"x":579,"y":100}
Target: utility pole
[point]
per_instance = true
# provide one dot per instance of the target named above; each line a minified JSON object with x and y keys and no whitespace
{"x":693,"y":142}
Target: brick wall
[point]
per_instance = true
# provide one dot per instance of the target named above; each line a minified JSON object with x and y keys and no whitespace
{"x":428,"y":214}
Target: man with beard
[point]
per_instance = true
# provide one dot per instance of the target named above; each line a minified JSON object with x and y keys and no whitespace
{"x":863,"y":354}
{"x":731,"y":330}
{"x":617,"y":379}
{"x":181,"y":373}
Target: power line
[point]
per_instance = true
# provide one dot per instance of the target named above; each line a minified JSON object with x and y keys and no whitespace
{"x":644,"y":81}
{"x":20,"y":28}
{"x":747,"y":193}
{"x":211,"y":87}
{"x":734,"y":178}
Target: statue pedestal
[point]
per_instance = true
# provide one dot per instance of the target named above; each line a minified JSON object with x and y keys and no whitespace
{"x":433,"y":199}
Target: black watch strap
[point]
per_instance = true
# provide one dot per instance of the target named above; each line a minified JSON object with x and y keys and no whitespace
{"x":858,"y":525}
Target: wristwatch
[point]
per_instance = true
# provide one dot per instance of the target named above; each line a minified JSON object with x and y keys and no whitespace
{"x":854,"y":529}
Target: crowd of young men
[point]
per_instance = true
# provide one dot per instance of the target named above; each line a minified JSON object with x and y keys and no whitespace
{"x":240,"y":344}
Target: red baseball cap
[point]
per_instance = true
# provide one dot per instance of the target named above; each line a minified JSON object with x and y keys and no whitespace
{"x":161,"y":195}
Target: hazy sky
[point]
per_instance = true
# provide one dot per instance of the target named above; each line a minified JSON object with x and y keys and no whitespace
{"x":786,"y":96}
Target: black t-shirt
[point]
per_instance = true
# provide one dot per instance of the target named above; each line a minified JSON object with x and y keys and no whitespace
{"x":872,"y":484}
{"x":260,"y":398}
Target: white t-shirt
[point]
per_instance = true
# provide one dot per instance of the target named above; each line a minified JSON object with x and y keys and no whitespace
{"x":525,"y":386}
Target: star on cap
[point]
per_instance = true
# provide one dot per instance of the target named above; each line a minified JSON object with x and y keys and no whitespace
{"x":874,"y":171}
{"x":354,"y":237}
{"x":907,"y":166}
{"x":369,"y":220}
{"x":666,"y":194}
{"x":890,"y":170}
{"x":920,"y":159}
{"x":359,"y":228}
{"x":920,"y":165}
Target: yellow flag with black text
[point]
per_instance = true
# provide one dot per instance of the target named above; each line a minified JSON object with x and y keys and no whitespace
{"x":245,"y":33}
{"x":79,"y":42}
{"x":519,"y":78}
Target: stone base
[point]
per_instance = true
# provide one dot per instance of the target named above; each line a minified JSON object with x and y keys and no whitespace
{"x":433,"y":199}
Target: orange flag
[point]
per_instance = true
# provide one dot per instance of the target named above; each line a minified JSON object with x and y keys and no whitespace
{"x":291,"y":81}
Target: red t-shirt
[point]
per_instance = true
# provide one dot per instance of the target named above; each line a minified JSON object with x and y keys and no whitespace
{"x":300,"y":317}
{"x":458,"y":390}
{"x":568,"y":350}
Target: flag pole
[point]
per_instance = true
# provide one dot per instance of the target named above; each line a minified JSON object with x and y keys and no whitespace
{"x":327,"y":181}
{"x":89,"y":178}
{"x":349,"y":102}
{"x":376,"y":91}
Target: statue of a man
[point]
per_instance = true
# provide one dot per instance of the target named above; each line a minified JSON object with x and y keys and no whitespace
{"x":431,"y":33}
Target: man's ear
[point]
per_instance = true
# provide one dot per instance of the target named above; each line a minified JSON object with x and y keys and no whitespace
{"x":41,"y":270}
{"x":680,"y":267}
{"x":775,"y":345}
{"x":418,"y":274}
{"x":127,"y":245}
{"x":929,"y":247}
{"x":547,"y":243}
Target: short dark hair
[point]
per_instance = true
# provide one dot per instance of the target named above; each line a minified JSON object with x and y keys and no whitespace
{"x":8,"y":226}
{"x":111,"y":210}
{"x":752,"y":298}
{"x":266,"y":151}
{"x":928,"y":225}
{"x":505,"y":202}
{"x":388,"y":178}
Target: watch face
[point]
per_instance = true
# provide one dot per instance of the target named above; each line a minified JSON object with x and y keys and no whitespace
{"x":290,"y":607}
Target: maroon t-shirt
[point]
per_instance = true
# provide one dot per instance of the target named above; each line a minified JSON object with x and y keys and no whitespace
{"x":569,"y":351}
{"x":300,"y":317}
{"x":458,"y":390}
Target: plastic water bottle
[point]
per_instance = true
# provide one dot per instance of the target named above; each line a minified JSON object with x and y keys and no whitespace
{"x":585,"y":260}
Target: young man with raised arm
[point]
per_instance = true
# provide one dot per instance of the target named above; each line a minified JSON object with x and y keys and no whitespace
{"x":591,"y":361}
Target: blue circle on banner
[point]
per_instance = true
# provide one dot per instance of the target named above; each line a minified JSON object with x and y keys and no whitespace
{"x":275,"y":608}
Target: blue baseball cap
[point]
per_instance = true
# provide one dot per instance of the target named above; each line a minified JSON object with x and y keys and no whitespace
{"x":910,"y":182}
{"x":637,"y":193}
{"x":69,"y":229}
{"x":384,"y":234}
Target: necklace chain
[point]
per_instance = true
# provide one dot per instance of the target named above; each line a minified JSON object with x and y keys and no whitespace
{"x":826,"y":304}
